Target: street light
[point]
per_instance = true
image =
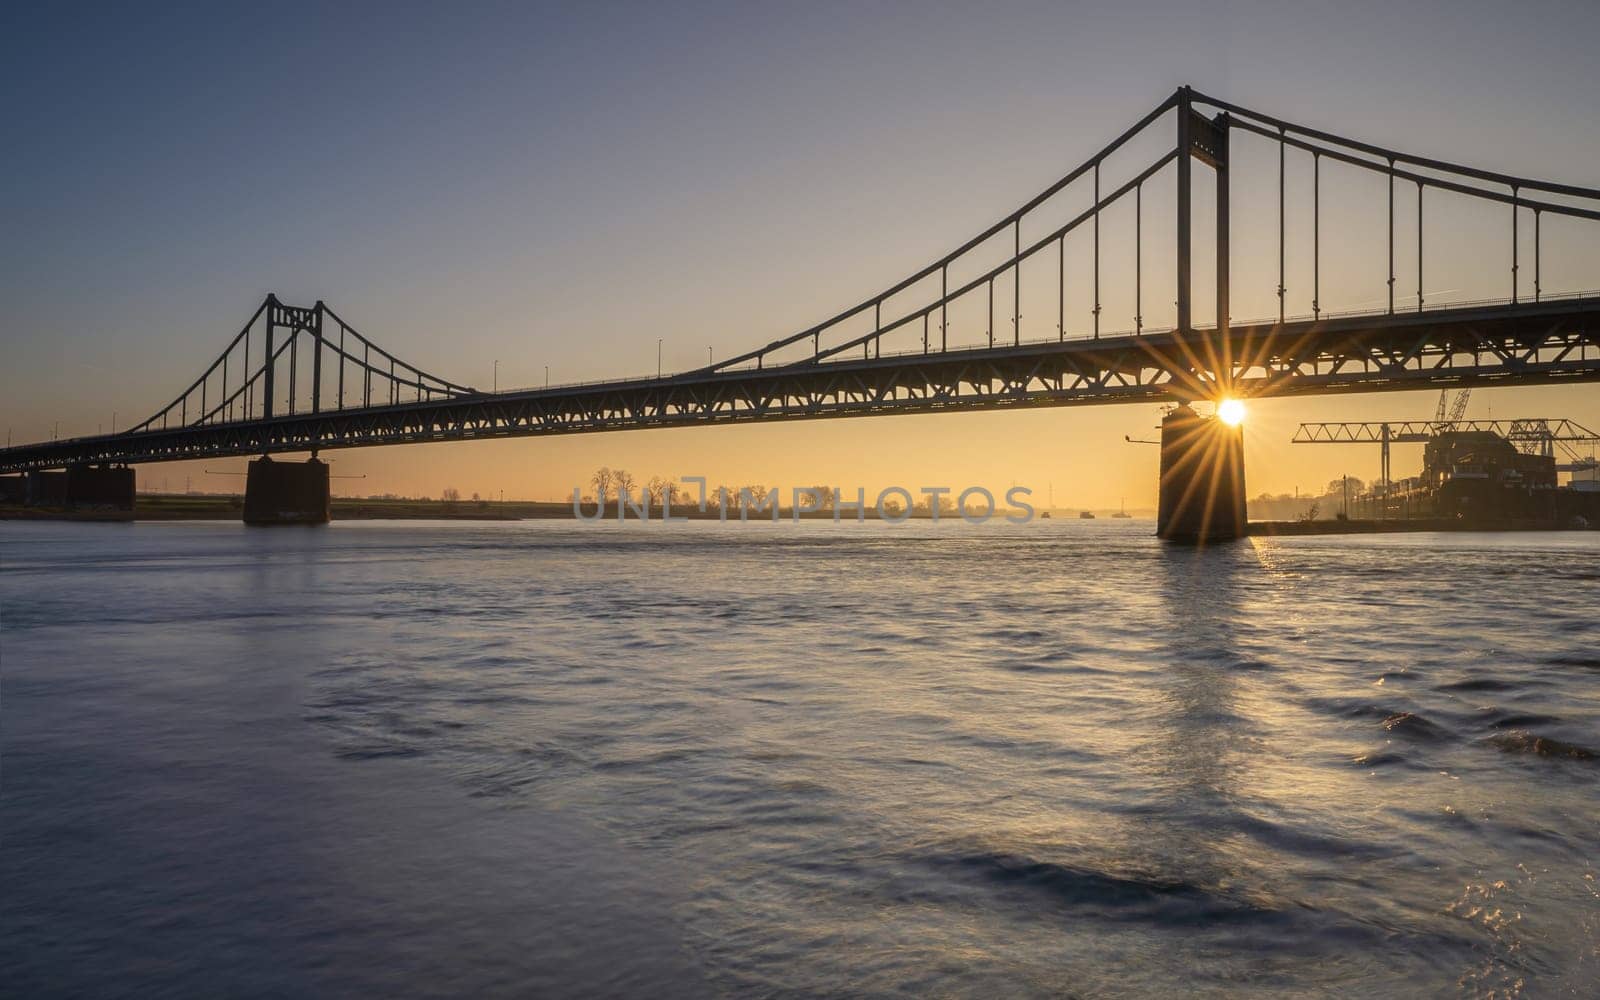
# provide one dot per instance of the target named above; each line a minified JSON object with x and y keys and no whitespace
{"x":497,"y":375}
{"x":658,"y":357}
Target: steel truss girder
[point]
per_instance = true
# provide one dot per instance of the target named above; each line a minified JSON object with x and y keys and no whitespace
{"x":1415,"y":431}
{"x":1503,"y":345}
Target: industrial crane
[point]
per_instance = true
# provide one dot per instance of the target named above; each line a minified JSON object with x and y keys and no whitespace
{"x":1535,"y":435}
{"x":1456,"y":412}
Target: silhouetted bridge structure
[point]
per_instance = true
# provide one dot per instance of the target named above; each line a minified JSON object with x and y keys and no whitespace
{"x":301,"y":379}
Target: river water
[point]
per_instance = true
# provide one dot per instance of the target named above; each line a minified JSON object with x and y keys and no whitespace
{"x":420,"y":760}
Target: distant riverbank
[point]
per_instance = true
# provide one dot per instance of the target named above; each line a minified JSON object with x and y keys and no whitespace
{"x":218,"y":507}
{"x":215,"y":507}
{"x":1346,"y":527}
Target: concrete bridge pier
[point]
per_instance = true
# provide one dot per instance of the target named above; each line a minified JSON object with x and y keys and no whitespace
{"x":81,"y":487}
{"x":286,"y":492}
{"x":1202,"y":479}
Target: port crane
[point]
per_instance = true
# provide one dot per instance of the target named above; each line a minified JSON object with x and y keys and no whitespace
{"x":1457,"y":411}
{"x":1532,"y":435}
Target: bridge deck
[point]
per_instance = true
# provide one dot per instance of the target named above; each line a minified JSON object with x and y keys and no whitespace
{"x":1526,"y":343}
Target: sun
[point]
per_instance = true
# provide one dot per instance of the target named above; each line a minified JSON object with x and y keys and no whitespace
{"x":1231,"y":412}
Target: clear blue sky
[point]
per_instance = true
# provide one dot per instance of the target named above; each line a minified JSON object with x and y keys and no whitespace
{"x":560,"y":185}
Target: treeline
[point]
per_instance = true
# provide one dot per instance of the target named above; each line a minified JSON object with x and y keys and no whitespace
{"x":613,"y":483}
{"x":1308,"y":507}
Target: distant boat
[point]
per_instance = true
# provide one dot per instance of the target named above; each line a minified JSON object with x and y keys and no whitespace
{"x":1086,"y":515}
{"x":1124,"y":511}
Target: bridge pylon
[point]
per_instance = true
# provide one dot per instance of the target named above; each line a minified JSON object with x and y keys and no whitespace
{"x":1202,"y":492}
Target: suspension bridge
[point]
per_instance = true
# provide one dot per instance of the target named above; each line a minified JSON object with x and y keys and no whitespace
{"x":299,"y":378}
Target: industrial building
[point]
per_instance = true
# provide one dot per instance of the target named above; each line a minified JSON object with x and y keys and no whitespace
{"x":1493,"y":473}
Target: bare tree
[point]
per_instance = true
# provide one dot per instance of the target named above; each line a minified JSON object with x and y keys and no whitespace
{"x":658,"y":488}
{"x":623,"y":480}
{"x":451,"y":495}
{"x":602,"y":481}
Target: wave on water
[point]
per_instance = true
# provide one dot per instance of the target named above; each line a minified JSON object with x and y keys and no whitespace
{"x":1522,"y":741}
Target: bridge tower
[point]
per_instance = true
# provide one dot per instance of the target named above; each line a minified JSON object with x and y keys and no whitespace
{"x":289,"y":492}
{"x":1202,"y":491}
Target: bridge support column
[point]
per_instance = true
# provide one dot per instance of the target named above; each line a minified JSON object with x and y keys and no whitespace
{"x":81,"y":487}
{"x":286,"y":492}
{"x":102,"y":486}
{"x":46,"y":488}
{"x":1202,"y":479}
